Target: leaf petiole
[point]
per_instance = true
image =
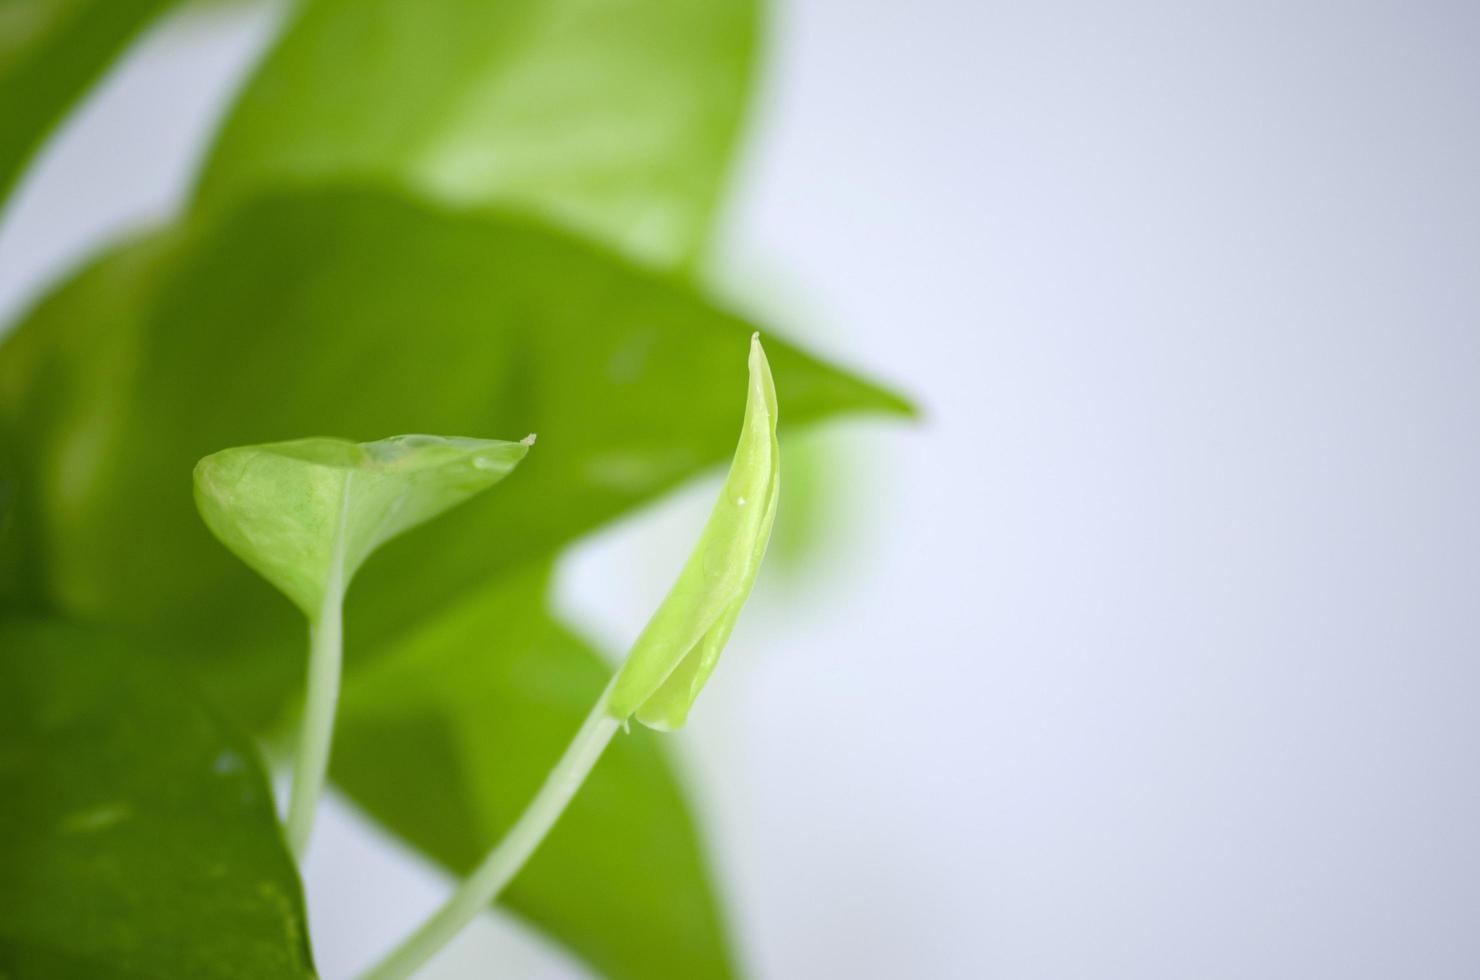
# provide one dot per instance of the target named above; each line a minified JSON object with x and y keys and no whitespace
{"x":325,"y":662}
{"x":311,"y":765}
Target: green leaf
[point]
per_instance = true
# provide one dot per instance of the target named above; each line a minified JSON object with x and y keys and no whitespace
{"x":307,"y":513}
{"x":618,"y":120}
{"x":137,"y":834}
{"x":681,"y":644}
{"x":359,"y":313}
{"x":471,"y":711}
{"x":50,"y":52}
{"x":355,"y":314}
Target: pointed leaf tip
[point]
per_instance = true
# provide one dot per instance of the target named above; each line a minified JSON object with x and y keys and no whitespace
{"x":678,"y":649}
{"x":306,"y":514}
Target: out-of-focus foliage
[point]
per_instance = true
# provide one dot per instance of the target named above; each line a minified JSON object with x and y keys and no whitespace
{"x":137,"y":835}
{"x":50,"y":52}
{"x":435,"y":216}
{"x":616,"y":119}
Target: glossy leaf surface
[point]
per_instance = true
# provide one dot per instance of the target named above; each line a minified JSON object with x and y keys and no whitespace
{"x":137,"y":834}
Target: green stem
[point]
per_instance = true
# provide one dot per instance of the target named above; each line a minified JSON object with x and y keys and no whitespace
{"x":481,"y":887}
{"x":325,"y":658}
{"x":326,"y":644}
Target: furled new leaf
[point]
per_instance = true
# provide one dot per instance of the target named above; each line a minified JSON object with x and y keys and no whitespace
{"x":137,"y":834}
{"x":618,"y":120}
{"x":681,"y":644}
{"x":307,"y":513}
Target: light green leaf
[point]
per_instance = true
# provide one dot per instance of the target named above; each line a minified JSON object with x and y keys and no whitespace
{"x":471,"y":711}
{"x":307,"y":513}
{"x":615,"y":119}
{"x":50,"y":52}
{"x":681,"y":644}
{"x":137,"y":834}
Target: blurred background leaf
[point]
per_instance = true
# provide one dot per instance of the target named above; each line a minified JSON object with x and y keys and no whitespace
{"x":138,"y":834}
{"x":617,"y":119}
{"x":51,"y":51}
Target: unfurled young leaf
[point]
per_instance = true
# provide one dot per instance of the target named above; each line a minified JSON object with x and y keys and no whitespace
{"x":678,"y":649}
{"x":306,"y":514}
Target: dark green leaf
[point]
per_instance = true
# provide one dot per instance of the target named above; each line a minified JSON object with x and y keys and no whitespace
{"x":137,"y":835}
{"x":617,"y":119}
{"x":50,"y":52}
{"x":471,"y":711}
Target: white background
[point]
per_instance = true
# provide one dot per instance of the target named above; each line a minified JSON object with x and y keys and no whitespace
{"x":1152,"y":652}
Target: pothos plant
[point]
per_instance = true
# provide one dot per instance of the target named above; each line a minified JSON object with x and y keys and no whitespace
{"x":448,"y":217}
{"x":307,"y":513}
